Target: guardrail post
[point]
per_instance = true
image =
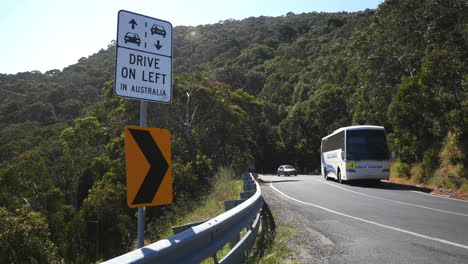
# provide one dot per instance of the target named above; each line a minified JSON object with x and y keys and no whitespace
{"x":246,"y":195}
{"x":228,"y":205}
{"x":246,"y":176}
{"x":249,"y":184}
{"x":248,"y":187}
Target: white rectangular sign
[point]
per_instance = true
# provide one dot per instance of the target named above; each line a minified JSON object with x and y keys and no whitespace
{"x":144,"y":58}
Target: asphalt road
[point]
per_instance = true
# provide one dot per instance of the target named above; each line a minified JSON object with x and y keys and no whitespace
{"x":369,"y":223}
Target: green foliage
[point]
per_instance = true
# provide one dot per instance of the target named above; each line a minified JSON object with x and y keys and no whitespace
{"x":25,"y":238}
{"x":107,"y":213}
{"x":404,"y":170}
{"x":251,"y":93}
{"x":28,"y":182}
{"x":307,"y":122}
{"x":430,"y":161}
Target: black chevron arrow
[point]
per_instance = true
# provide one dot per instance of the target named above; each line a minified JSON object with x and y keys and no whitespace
{"x":158,"y":166}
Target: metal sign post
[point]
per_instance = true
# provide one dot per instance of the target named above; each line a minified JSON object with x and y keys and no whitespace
{"x":141,"y":210}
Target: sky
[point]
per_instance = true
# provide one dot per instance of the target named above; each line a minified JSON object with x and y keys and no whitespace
{"x":52,"y":34}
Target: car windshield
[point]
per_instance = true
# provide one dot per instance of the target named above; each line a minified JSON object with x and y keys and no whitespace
{"x":288,"y":167}
{"x":366,"y":145}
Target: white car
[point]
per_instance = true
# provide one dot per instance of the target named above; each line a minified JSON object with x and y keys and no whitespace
{"x":286,"y":170}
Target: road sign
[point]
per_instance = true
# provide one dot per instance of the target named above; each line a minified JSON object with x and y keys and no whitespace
{"x":148,"y":165}
{"x":144,"y":58}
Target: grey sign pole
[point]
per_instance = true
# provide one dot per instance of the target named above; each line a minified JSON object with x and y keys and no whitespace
{"x":141,"y":210}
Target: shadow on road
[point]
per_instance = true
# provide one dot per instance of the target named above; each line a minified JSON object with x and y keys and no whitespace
{"x":278,"y":181}
{"x":387,"y":186}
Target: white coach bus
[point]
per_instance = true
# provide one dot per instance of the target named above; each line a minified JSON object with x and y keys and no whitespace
{"x":356,"y":152}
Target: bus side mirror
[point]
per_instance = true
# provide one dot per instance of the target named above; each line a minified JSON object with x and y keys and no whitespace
{"x":342,"y":155}
{"x":393,"y":155}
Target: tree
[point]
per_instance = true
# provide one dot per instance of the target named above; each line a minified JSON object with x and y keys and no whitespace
{"x":25,"y":238}
{"x":81,"y":144}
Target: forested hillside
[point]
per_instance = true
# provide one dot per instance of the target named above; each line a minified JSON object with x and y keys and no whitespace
{"x":251,"y":93}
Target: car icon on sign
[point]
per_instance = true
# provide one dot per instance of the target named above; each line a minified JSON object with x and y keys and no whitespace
{"x":132,"y":38}
{"x":158,"y":29}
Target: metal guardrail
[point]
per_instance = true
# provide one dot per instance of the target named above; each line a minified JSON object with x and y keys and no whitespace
{"x":202,"y":241}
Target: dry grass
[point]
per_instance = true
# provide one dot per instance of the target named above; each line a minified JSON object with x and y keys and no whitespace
{"x":417,"y":174}
{"x":227,"y":187}
{"x":434,"y":182}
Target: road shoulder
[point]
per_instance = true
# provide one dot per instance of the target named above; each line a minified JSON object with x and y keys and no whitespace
{"x":308,"y":244}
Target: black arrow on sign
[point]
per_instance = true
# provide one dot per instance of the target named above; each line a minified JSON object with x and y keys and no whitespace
{"x":158,"y":166}
{"x":134,"y":23}
{"x":158,"y":45}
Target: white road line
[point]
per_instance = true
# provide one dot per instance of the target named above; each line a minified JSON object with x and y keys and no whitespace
{"x":373,"y":223}
{"x":385,"y":199}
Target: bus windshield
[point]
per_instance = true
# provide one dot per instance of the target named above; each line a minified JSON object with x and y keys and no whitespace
{"x":366,"y":145}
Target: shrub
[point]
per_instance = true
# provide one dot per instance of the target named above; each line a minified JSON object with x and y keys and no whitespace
{"x":452,"y":152}
{"x":418,"y":174}
{"x":452,"y":173}
{"x":430,"y":161}
{"x":404,"y":170}
{"x":464,"y":187}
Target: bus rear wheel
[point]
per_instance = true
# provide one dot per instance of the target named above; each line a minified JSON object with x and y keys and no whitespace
{"x":341,"y":181}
